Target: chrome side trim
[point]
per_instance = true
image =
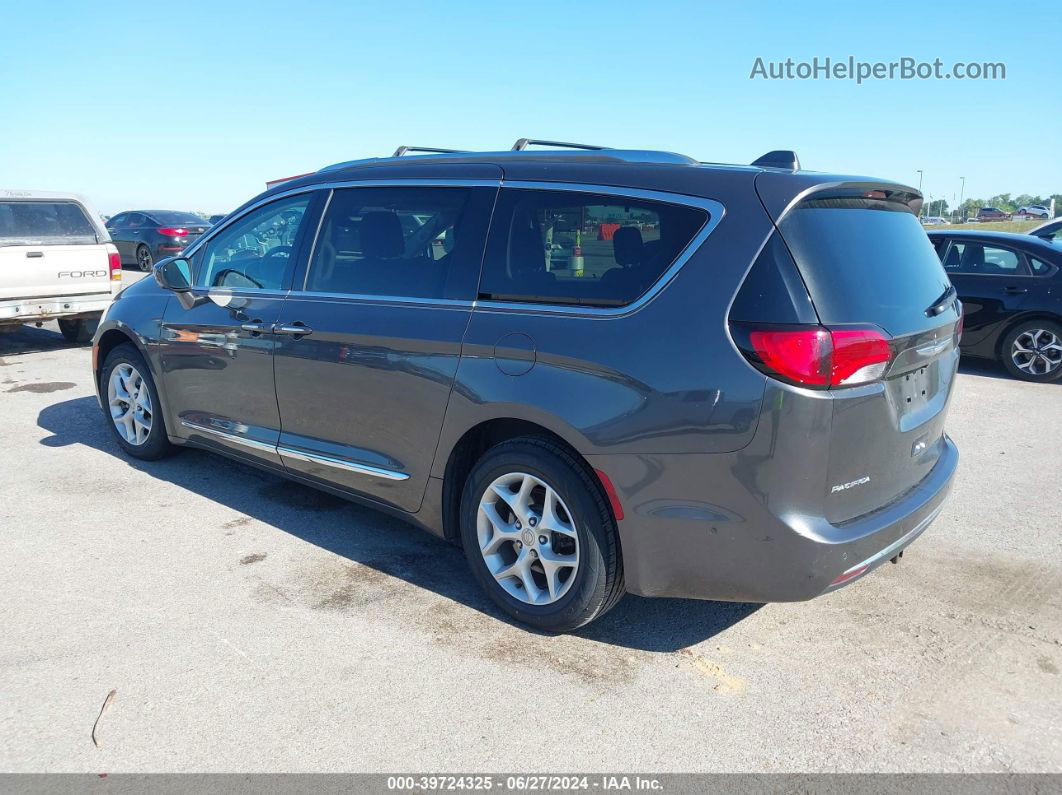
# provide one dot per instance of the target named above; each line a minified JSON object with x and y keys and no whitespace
{"x":298,"y":455}
{"x":230,"y":437}
{"x":361,"y":469}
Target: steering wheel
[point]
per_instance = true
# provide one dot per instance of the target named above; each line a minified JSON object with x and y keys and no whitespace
{"x":279,"y":251}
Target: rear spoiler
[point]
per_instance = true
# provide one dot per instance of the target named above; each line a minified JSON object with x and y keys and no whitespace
{"x":780,"y":191}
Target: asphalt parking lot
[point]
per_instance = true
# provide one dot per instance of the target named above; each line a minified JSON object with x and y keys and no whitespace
{"x":246,"y":623}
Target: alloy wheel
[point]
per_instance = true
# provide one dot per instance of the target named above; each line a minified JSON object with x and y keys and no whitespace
{"x":130,"y":404}
{"x":527,"y":538}
{"x":1037,"y":351}
{"x":143,"y":259}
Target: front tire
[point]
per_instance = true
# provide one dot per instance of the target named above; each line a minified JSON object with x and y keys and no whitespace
{"x":144,"y":260}
{"x":78,"y":330}
{"x":539,"y":536}
{"x":1032,"y":351}
{"x":131,"y":405}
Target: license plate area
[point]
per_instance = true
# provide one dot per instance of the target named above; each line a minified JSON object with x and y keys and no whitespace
{"x":915,"y":389}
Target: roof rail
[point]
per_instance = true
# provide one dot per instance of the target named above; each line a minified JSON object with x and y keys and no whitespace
{"x":779,"y":158}
{"x":404,"y":149}
{"x":522,"y":144}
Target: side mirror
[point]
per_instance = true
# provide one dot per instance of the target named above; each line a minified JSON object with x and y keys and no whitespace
{"x":174,"y":273}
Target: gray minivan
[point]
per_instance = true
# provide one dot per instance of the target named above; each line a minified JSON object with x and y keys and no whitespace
{"x":599,"y":371}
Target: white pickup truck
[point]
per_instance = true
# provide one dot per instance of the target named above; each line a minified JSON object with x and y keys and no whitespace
{"x":56,"y":263}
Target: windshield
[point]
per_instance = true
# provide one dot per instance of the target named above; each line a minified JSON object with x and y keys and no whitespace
{"x":31,"y":222}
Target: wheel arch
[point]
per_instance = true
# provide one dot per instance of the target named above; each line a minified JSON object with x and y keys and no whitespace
{"x":1019,"y":320}
{"x":471,"y":446}
{"x":111,"y":338}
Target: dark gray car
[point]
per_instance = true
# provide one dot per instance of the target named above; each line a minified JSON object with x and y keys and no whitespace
{"x":144,"y":237}
{"x":598,"y":371}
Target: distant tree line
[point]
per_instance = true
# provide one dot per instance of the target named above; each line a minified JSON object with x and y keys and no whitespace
{"x":1002,"y":201}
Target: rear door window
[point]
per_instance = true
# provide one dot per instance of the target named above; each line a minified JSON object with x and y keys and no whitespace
{"x":1041,"y":268}
{"x":973,"y":258}
{"x":33,"y":222}
{"x":584,"y":249}
{"x":403,"y":242}
{"x":865,"y":261}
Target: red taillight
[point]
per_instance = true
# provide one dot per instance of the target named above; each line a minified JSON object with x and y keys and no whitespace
{"x":173,"y":232}
{"x":800,"y":356}
{"x":114,"y":263}
{"x":858,"y":357}
{"x":820,"y":357}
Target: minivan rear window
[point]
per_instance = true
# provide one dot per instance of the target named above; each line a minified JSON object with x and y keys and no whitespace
{"x":33,"y":222}
{"x":582,"y":249}
{"x":865,"y":262}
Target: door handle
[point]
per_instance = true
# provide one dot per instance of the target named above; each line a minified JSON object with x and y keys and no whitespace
{"x":296,"y":329}
{"x":255,"y":328}
{"x":1015,"y":290}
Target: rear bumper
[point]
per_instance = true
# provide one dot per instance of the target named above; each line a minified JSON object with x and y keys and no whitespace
{"x":693,"y":548}
{"x":31,"y":310}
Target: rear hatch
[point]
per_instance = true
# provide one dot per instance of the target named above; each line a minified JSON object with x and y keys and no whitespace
{"x":50,"y":248}
{"x":875,"y":279}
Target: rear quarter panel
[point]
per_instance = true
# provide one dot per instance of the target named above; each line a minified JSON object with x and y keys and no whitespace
{"x":665,"y":378}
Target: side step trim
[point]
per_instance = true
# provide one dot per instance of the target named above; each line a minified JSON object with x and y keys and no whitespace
{"x":299,"y":455}
{"x":338,"y":463}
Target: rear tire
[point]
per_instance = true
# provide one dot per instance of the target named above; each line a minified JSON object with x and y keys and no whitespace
{"x":131,"y":405}
{"x":144,"y":260}
{"x":1032,"y":351}
{"x":530,"y":506}
{"x":78,"y":330}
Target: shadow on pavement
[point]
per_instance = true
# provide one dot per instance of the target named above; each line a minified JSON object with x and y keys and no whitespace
{"x":30,"y":339}
{"x":988,"y":368}
{"x":377,"y":540}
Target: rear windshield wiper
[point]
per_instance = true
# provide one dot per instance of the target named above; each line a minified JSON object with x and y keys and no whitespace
{"x":942,"y":303}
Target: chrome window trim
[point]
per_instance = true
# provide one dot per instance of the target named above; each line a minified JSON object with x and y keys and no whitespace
{"x":362,"y":298}
{"x":716,"y":212}
{"x":338,"y":463}
{"x":231,"y":437}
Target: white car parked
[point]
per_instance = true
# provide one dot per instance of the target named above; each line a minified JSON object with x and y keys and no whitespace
{"x":56,"y":263}
{"x":1034,"y":211}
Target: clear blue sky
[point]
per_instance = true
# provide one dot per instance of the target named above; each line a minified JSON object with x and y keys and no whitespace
{"x":193,"y":105}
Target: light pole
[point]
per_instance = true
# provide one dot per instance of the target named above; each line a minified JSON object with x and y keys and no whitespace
{"x":962,"y":188}
{"x":920,"y":190}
